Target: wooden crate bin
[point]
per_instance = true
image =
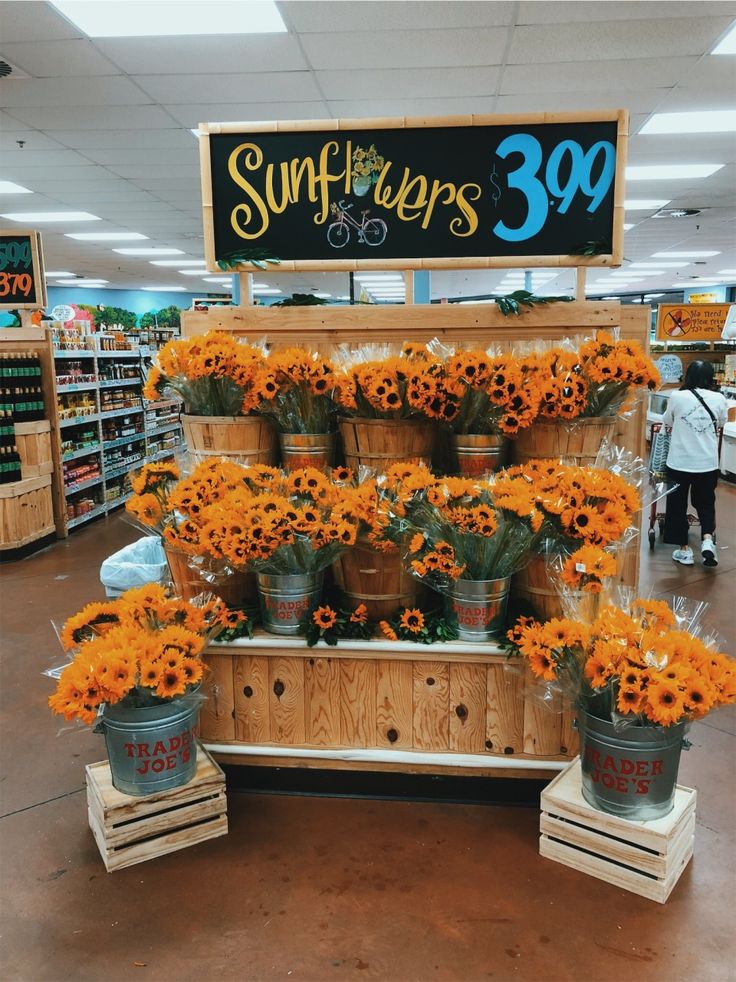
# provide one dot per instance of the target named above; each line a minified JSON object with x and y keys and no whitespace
{"x":33,"y":441}
{"x":647,"y":858}
{"x":26,"y":512}
{"x":131,"y":830}
{"x":448,"y":701}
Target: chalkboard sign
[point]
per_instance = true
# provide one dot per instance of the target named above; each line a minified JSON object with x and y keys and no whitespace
{"x":22,"y":284}
{"x":429,"y":193}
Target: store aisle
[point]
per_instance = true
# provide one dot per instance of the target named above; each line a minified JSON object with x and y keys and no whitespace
{"x":318,"y":888}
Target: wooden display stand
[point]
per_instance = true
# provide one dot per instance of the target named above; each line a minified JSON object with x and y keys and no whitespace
{"x":131,"y":830}
{"x":454,"y":708}
{"x":646,"y":858}
{"x":25,"y":512}
{"x":34,"y":447}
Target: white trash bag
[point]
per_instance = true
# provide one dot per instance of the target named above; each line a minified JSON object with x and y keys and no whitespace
{"x":134,"y":565}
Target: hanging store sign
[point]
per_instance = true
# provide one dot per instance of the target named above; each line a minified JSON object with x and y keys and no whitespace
{"x":22,"y":283}
{"x":691,"y":322}
{"x":463,"y":192}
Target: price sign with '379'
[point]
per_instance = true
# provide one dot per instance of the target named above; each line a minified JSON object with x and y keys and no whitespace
{"x":21,"y":270}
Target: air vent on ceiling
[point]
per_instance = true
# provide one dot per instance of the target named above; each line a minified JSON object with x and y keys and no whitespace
{"x":676,"y":213}
{"x":7,"y":68}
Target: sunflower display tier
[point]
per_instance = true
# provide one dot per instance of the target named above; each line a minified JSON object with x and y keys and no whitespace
{"x":379,"y":705}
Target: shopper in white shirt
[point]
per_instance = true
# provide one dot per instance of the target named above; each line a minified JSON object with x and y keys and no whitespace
{"x":694,"y":415}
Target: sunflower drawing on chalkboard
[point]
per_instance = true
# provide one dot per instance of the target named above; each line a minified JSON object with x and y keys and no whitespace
{"x":367,"y":165}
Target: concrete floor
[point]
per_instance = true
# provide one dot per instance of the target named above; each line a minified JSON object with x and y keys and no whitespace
{"x":328,"y":888}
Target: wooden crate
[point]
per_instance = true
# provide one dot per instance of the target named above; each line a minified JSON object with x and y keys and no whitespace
{"x":454,"y":704}
{"x":131,"y":830}
{"x":26,"y":511}
{"x":647,"y":858}
{"x":33,"y":441}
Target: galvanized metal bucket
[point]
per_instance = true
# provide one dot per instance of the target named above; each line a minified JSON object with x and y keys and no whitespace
{"x":631,"y":772}
{"x":478,"y":453}
{"x":307,"y":450}
{"x":480,"y":607}
{"x":154,"y":748}
{"x":285,"y":599}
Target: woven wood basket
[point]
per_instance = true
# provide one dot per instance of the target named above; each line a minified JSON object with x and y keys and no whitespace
{"x":376,"y":579}
{"x":249,"y":439}
{"x":237,"y":590}
{"x":578,"y":441}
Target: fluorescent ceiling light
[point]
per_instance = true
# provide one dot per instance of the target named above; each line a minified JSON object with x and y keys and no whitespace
{"x":652,"y":296}
{"x":614,"y":297}
{"x":31,"y":217}
{"x":324,"y":296}
{"x":195,"y":133}
{"x":267,"y":290}
{"x":727,"y":272}
{"x":666,"y":172}
{"x":149,"y":252}
{"x":8,"y":187}
{"x":378,"y":276}
{"x":218,"y":279}
{"x":645,"y":204}
{"x":90,"y":281}
{"x":708,"y":121}
{"x":164,"y":289}
{"x":727,"y":45}
{"x":158,"y":18}
{"x":627,"y":226}
{"x":636,"y":300}
{"x":198,"y":271}
{"x":178,"y":262}
{"x":694,"y":283}
{"x":105,"y":236}
{"x":57,"y":272}
{"x":684,"y":255}
{"x":656,"y":265}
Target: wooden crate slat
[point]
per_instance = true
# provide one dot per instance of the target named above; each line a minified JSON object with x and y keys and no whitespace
{"x":431,"y":687}
{"x":116,"y":859}
{"x":286,"y":700}
{"x":250,"y":687}
{"x":358,"y":702}
{"x":394,"y":704}
{"x":504,"y":711}
{"x":322,"y":701}
{"x":468,"y":708}
{"x":162,"y":822}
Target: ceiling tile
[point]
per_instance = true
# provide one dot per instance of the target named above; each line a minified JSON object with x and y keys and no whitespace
{"x":564,"y":11}
{"x":626,"y":75}
{"x":309,"y":17}
{"x":405,"y":49}
{"x":144,"y":169}
{"x":259,"y":86}
{"x":33,"y":21}
{"x":105,"y":91}
{"x":49,"y":59}
{"x":122,"y":156}
{"x":609,"y":40}
{"x":402,"y":83}
{"x":192,"y":116}
{"x":203,"y":55}
{"x":93,"y":118}
{"x":33,"y":140}
{"x":638,"y":102}
{"x":13,"y":156}
{"x":411,"y":107}
{"x":125,"y":139}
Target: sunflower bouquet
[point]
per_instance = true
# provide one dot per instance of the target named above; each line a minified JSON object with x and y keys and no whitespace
{"x":637,"y":665}
{"x":215,"y":375}
{"x":142,"y":649}
{"x":374,"y":382}
{"x":299,"y":397}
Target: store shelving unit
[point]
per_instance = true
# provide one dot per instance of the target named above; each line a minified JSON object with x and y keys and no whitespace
{"x":114,"y":431}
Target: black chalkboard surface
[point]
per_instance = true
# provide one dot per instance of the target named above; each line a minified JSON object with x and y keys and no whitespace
{"x":21,"y":273}
{"x":414,"y":192}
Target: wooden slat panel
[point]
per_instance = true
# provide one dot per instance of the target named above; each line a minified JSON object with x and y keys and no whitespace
{"x":504,"y":711}
{"x":250,"y":678}
{"x":286,"y":700}
{"x":216,"y":720}
{"x":542,"y":728}
{"x":322,"y":701}
{"x":468,"y":708}
{"x":358,"y":702}
{"x":394,"y":704}
{"x":431,"y":685}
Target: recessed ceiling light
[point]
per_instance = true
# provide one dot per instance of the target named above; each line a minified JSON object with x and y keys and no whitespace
{"x":727,"y":272}
{"x":323,"y":296}
{"x":157,"y":18}
{"x":197,"y":271}
{"x":693,"y":283}
{"x":614,"y":297}
{"x":164,"y":289}
{"x":222,"y":280}
{"x":628,"y":225}
{"x":378,"y":276}
{"x":57,"y":272}
{"x":195,"y":133}
{"x":727,"y":45}
{"x":704,"y":121}
{"x":266,"y":290}
{"x":105,"y":236}
{"x":636,"y":300}
{"x":89,"y":281}
{"x":149,"y":252}
{"x":31,"y":217}
{"x":8,"y":187}
{"x":645,"y":204}
{"x":684,"y":255}
{"x":666,"y":172}
{"x":178,"y":262}
{"x":652,"y":296}
{"x":657,"y":265}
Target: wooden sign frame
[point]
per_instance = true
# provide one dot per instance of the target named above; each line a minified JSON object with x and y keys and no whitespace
{"x":38,"y":270}
{"x":615,"y":258}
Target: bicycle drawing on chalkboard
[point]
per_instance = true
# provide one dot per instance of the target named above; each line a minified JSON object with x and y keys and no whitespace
{"x":372,"y":231}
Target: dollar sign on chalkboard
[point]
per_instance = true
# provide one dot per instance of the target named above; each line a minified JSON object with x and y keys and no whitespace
{"x":496,"y":193}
